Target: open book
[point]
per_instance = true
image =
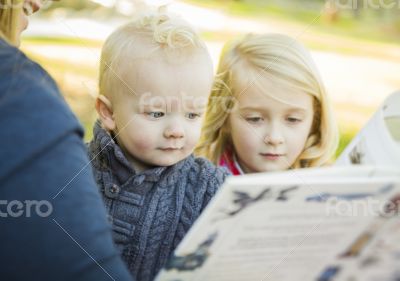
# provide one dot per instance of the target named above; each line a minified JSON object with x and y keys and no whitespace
{"x":335,"y":223}
{"x":378,"y":143}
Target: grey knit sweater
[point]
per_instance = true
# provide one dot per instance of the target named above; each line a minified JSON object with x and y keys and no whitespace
{"x":150,"y":211}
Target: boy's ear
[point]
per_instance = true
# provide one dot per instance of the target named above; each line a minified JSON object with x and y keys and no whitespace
{"x":105,"y":111}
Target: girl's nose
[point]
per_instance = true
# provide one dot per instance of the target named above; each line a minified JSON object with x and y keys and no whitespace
{"x":274,"y":135}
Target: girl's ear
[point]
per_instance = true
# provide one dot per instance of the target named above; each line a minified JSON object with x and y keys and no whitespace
{"x":105,"y":111}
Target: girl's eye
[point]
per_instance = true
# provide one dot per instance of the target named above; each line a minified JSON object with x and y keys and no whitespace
{"x":293,"y":120}
{"x":156,"y":114}
{"x":192,"y":115}
{"x":254,"y":119}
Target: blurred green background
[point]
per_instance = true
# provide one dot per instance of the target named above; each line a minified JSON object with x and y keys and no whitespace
{"x":355,"y":44}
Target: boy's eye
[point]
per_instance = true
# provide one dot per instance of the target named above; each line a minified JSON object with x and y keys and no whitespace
{"x":192,"y":115}
{"x":156,"y":114}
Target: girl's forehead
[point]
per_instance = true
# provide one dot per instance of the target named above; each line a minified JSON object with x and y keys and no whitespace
{"x":266,"y":93}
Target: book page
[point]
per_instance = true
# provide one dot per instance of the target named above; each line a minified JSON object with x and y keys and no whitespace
{"x":278,"y":229}
{"x":377,"y":259}
{"x":323,"y":172}
{"x":378,"y":143}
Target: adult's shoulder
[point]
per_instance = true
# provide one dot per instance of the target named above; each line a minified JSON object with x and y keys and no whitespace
{"x":33,"y":114}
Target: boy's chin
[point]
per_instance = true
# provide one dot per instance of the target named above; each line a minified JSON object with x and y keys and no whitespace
{"x":169,"y":162}
{"x":165,"y":159}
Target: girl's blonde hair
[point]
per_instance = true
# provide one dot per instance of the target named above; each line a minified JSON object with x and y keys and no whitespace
{"x":283,"y":60}
{"x":10,"y":11}
{"x":153,"y":31}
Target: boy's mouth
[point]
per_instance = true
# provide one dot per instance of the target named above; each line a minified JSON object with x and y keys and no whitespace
{"x":170,"y":148}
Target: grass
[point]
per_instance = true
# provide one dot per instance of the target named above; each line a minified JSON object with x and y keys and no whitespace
{"x":346,"y":135}
{"x":348,"y":47}
{"x":367,"y":37}
{"x":64,"y":41}
{"x":62,"y":66}
{"x":367,"y":28}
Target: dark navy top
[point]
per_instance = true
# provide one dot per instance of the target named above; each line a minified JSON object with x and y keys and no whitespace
{"x":53,"y":223}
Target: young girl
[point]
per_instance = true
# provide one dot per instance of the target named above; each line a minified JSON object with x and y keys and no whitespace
{"x":268,"y":110}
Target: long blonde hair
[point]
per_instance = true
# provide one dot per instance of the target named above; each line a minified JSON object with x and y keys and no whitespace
{"x":10,"y":11}
{"x":284,"y":60}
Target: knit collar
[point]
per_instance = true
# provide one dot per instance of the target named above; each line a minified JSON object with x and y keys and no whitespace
{"x":108,"y":149}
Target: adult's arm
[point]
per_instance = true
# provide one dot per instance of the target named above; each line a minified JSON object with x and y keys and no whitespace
{"x":43,"y":163}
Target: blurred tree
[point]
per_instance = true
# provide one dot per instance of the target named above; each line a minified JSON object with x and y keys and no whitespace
{"x":76,"y":5}
{"x":357,"y":6}
{"x":331,"y":11}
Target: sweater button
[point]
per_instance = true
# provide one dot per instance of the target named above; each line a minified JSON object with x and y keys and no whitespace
{"x":114,"y":189}
{"x":139,"y":180}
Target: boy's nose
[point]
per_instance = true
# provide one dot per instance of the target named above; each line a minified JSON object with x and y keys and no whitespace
{"x":274,"y":135}
{"x":174,"y":131}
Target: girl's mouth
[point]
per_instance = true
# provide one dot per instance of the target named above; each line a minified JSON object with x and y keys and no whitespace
{"x":271,"y":156}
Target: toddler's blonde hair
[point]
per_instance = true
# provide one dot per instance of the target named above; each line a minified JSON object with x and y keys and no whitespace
{"x":154,"y":32}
